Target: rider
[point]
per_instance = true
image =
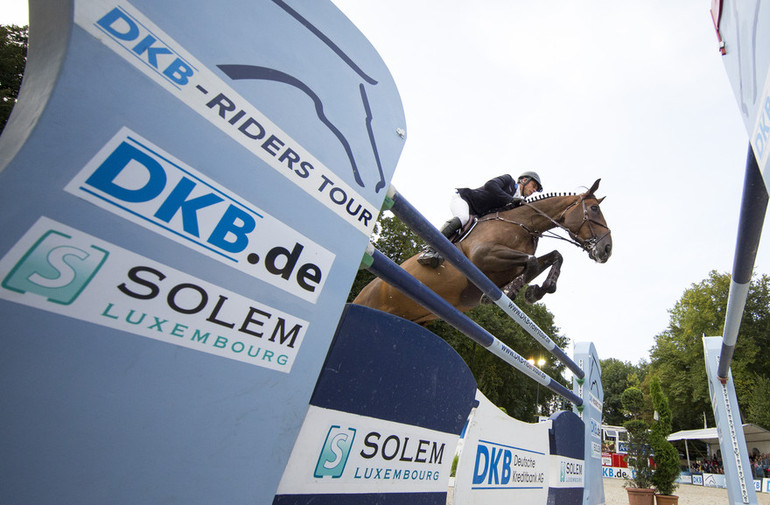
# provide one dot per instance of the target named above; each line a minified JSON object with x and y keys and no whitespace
{"x":496,"y":193}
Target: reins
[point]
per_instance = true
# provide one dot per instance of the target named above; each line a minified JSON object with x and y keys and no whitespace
{"x":585,"y":244}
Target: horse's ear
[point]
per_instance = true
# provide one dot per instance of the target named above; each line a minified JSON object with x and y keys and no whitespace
{"x":594,"y":187}
{"x":600,"y":200}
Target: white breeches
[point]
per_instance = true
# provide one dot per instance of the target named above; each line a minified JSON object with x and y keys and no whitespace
{"x":460,"y":209}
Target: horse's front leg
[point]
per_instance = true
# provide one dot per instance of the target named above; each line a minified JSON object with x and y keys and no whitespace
{"x":553,"y":259}
{"x":531,"y":270}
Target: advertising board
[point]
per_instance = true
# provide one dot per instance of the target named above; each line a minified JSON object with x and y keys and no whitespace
{"x":187,"y":190}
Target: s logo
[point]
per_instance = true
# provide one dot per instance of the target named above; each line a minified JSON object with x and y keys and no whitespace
{"x":335,"y":452}
{"x":56,"y":268}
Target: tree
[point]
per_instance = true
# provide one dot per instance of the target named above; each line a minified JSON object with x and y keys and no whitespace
{"x":677,"y":356}
{"x":13,"y":58}
{"x":759,"y":402}
{"x":617,"y":376}
{"x":393,"y":239}
{"x":638,"y":455}
{"x":506,"y":387}
{"x":666,"y":456}
{"x":633,"y":401}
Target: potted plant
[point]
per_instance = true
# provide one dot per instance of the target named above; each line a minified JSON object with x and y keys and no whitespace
{"x":666,"y":457}
{"x":638,"y":486}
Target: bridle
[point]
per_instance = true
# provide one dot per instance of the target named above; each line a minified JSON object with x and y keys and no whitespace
{"x":574,"y":239}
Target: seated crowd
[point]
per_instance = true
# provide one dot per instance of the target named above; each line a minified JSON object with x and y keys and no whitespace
{"x":760,"y":465}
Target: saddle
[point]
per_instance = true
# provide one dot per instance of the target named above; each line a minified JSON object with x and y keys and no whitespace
{"x":474,"y":220}
{"x":465,"y":230}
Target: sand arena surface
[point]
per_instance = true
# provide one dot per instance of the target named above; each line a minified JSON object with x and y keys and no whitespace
{"x":615,"y":494}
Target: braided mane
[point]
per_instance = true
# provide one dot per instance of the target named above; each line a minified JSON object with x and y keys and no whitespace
{"x":532,"y":199}
{"x":537,"y":198}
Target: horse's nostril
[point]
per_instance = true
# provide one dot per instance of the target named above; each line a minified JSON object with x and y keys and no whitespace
{"x":608,"y":248}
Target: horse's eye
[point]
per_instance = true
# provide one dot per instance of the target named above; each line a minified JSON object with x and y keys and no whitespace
{"x":595,"y":208}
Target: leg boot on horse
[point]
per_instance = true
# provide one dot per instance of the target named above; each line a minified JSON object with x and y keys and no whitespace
{"x":430,"y":257}
{"x":553,"y":259}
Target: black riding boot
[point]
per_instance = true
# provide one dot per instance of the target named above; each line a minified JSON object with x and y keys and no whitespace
{"x":430,"y":257}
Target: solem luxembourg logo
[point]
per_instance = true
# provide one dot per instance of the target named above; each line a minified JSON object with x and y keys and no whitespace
{"x":571,"y":472}
{"x":55,"y":268}
{"x":335,"y":452}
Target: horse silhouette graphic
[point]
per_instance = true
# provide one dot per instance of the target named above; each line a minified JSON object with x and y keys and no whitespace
{"x":262,"y":73}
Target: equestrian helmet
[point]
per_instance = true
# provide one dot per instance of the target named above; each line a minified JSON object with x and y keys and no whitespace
{"x":534,"y":177}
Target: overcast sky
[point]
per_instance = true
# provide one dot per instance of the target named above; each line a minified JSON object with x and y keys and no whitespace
{"x":630,"y":92}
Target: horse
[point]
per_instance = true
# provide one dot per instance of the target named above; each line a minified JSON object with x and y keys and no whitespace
{"x":502,"y":245}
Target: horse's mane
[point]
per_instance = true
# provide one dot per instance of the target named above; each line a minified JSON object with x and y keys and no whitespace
{"x":532,"y":199}
{"x":537,"y":198}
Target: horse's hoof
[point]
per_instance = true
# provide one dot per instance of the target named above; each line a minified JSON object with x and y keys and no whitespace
{"x":485,"y":300}
{"x":530,"y":296}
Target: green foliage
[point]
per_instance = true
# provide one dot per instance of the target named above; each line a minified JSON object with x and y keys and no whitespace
{"x":677,"y":357}
{"x":13,"y":58}
{"x":662,"y":425}
{"x":396,"y":240}
{"x":638,"y":455}
{"x":666,"y":456}
{"x":502,"y":384}
{"x":638,"y":438}
{"x":667,"y":468}
{"x":759,"y":402}
{"x":393,"y":239}
{"x":633,"y":401}
{"x":617,"y":376}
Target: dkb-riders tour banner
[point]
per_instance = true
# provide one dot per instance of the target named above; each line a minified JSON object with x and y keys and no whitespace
{"x":187,"y":189}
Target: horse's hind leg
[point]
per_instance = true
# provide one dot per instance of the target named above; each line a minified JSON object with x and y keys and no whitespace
{"x":553,"y":259}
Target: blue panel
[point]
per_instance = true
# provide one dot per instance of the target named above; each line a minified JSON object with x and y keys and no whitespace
{"x":565,"y":496}
{"x":566,"y":437}
{"x":137,"y":421}
{"x":100,"y":413}
{"x":386,"y":367}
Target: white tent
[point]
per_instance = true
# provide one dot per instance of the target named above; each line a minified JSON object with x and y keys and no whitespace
{"x":757,"y":439}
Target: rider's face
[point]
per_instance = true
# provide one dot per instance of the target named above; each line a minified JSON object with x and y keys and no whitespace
{"x":529,"y":188}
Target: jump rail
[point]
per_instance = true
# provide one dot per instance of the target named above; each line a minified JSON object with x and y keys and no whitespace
{"x":753,"y":208}
{"x":420,"y":225}
{"x":381,"y":266}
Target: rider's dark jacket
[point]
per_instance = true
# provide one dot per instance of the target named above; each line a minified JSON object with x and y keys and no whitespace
{"x":496,"y":193}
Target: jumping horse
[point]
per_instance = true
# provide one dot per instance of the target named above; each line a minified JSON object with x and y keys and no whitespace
{"x":502,"y":244}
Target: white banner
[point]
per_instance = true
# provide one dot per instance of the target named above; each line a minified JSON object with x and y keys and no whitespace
{"x":501,"y":454}
{"x":62,"y":270}
{"x":139,"y":181}
{"x":342,"y":453}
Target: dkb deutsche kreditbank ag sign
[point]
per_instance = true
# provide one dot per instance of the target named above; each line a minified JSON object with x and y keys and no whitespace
{"x":187,"y":189}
